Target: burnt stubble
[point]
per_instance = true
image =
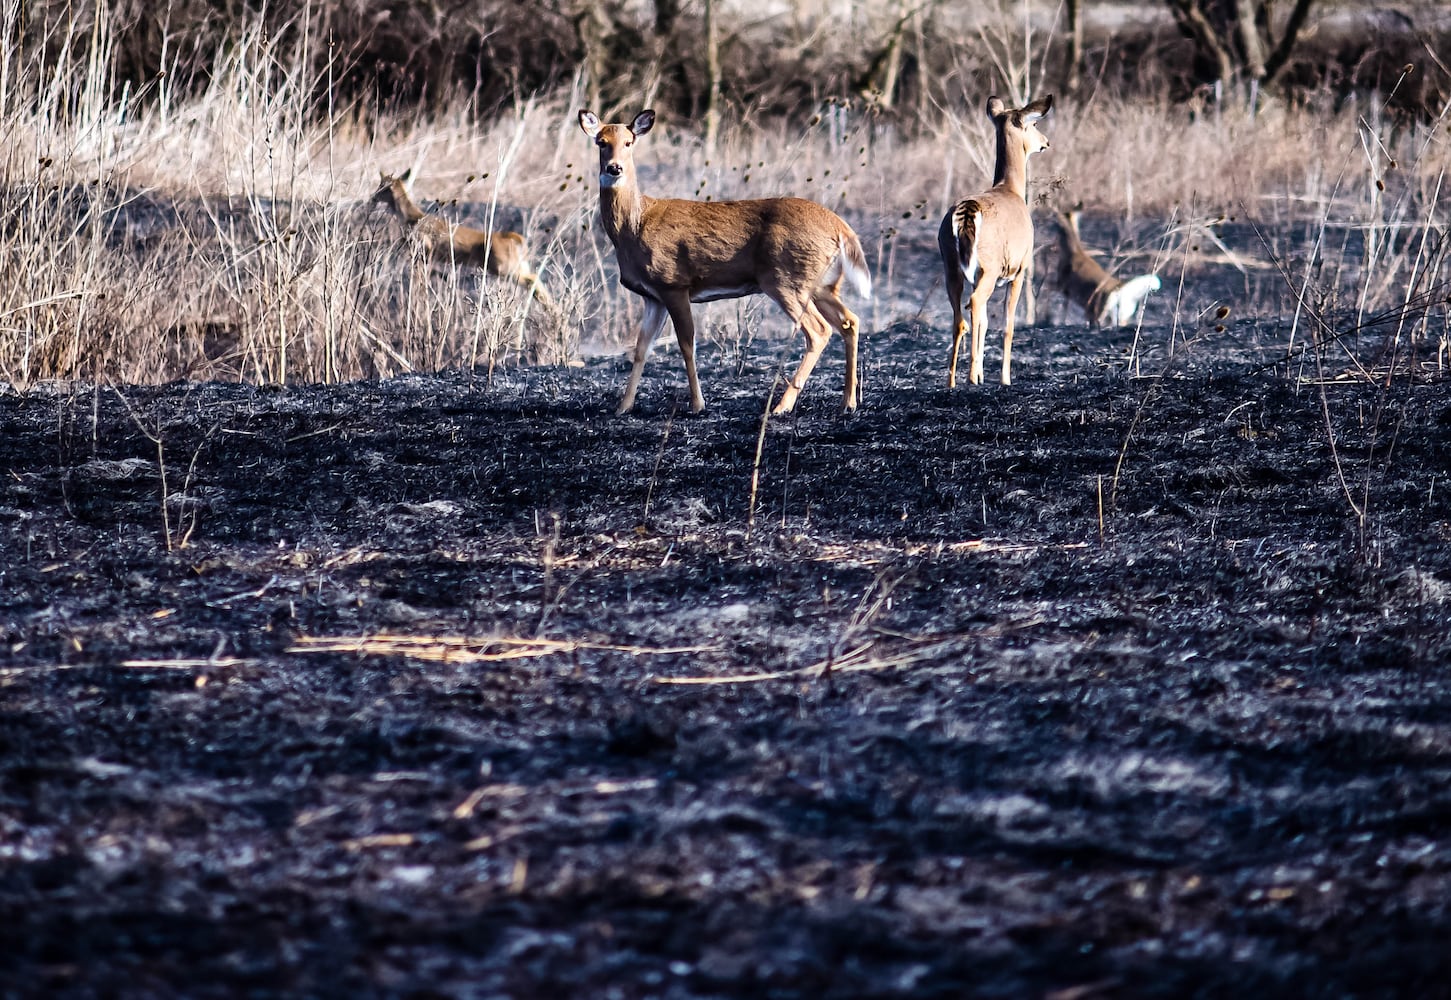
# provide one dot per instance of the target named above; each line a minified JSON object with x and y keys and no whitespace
{"x":1096,"y":683}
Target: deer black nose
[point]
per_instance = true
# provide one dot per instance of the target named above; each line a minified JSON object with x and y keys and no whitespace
{"x":614,"y":169}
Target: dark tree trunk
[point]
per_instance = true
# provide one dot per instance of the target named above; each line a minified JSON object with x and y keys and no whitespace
{"x":1074,"y":60}
{"x":1235,"y":38}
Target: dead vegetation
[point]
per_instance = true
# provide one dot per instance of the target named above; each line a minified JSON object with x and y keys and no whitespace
{"x":1126,"y":680}
{"x":206,"y":216}
{"x":453,"y":691}
{"x":213,"y":224}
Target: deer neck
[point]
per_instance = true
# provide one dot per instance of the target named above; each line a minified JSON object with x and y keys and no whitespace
{"x":407,"y":208}
{"x":622,"y":206}
{"x":1011,"y":170}
{"x":1072,"y":242}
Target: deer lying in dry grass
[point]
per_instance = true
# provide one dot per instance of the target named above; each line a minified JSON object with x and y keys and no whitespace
{"x":673,"y":252}
{"x":1082,"y":280}
{"x":501,"y":254}
{"x":988,"y":239}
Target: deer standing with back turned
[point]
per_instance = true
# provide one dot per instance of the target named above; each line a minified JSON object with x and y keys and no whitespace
{"x":988,"y":239}
{"x":673,"y":252}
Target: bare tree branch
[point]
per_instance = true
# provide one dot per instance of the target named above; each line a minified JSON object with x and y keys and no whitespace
{"x":1194,"y":23}
{"x":1236,"y":36}
{"x":1074,"y":57}
{"x":1280,"y":58}
{"x":1251,"y":48}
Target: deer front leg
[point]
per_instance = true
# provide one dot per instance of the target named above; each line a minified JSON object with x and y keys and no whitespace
{"x":679,"y":306}
{"x":650,"y":328}
{"x":1014,"y":289}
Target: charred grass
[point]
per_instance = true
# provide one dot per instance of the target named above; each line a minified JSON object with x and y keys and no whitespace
{"x":422,"y":697}
{"x":344,"y":653}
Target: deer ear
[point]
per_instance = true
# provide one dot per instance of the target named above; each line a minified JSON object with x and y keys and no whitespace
{"x":405,"y":175}
{"x":995,"y":107}
{"x":1038,"y":109}
{"x":643,"y":122}
{"x":590,"y":122}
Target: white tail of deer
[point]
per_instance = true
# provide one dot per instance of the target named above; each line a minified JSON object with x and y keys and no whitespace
{"x":1105,"y":300}
{"x":988,"y":239}
{"x":674,"y":252}
{"x":501,"y":254}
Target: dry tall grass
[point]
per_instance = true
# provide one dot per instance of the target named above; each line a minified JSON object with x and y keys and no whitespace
{"x":147,"y":234}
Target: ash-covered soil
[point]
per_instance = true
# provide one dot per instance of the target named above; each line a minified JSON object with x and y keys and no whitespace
{"x":1120,"y":681}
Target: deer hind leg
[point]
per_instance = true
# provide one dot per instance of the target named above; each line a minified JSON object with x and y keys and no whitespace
{"x":828,"y":302}
{"x":1095,"y":308}
{"x":955,"y":285}
{"x":818,"y":334}
{"x":509,"y":261}
{"x":1014,"y":290}
{"x":678,"y":305}
{"x":650,"y":327}
{"x":981,"y":292}
{"x":527,"y":277}
{"x":502,"y":255}
{"x":536,"y":289}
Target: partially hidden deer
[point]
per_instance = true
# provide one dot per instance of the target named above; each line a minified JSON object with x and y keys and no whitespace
{"x":501,"y":254}
{"x":988,"y":239}
{"x":1105,"y":300}
{"x":673,"y":252}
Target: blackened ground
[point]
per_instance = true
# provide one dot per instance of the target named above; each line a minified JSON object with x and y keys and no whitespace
{"x":1138,"y":686}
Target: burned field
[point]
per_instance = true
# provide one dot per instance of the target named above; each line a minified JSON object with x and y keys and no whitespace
{"x":1121,"y":681}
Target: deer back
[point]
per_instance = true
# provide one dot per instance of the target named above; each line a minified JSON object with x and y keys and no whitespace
{"x":499,"y":253}
{"x":994,"y":230}
{"x":1005,"y":235}
{"x":716,"y":247}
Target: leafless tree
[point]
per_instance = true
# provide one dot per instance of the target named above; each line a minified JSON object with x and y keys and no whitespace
{"x":1072,"y":77}
{"x":1237,"y":38}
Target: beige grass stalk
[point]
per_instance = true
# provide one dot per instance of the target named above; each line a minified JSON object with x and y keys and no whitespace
{"x":149,"y":235}
{"x":55,"y":120}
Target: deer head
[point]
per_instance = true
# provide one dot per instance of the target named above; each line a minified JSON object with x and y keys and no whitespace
{"x":1017,"y":138}
{"x":617,"y":163}
{"x":390,"y":187}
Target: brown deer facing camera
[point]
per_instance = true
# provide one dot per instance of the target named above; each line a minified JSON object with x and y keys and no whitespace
{"x":501,"y":254}
{"x":673,"y":252}
{"x":988,"y":239}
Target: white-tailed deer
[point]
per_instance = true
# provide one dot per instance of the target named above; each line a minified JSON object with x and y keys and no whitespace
{"x":501,"y":254}
{"x":1084,"y":281}
{"x":674,"y":252}
{"x":988,"y":239}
